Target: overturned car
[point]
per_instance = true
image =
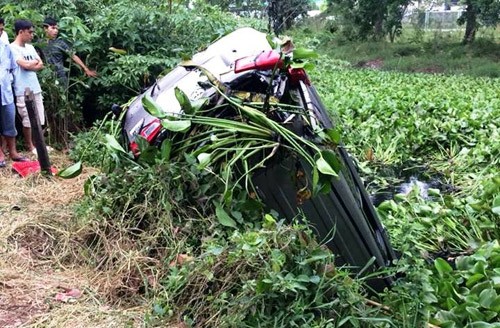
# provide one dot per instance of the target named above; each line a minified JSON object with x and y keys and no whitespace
{"x":243,"y":95}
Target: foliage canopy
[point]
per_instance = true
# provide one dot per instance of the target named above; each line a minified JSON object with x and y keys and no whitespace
{"x":369,"y":19}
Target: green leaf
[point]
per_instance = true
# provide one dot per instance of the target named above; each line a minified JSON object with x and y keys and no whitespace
{"x":474,"y":279}
{"x":478,"y":288}
{"x":215,"y":250}
{"x":464,"y":263}
{"x":303,"y":53}
{"x":176,"y":126}
{"x":315,"y":180}
{"x":324,"y":184}
{"x":303,"y":278}
{"x":297,"y":285}
{"x":487,"y":297}
{"x":113,"y":144}
{"x":233,"y":126}
{"x":495,"y":278}
{"x":118,"y":51}
{"x":450,"y":303}
{"x":166,"y":149}
{"x":324,"y":167}
{"x":306,"y":66}
{"x":495,"y":305}
{"x":237,"y":216}
{"x":315,"y":279}
{"x":223,"y":217}
{"x":332,"y":159}
{"x":480,"y":324}
{"x":475,"y":314}
{"x":309,"y":66}
{"x":334,"y":135}
{"x":152,"y":107}
{"x":71,"y":171}
{"x":490,"y":315}
{"x":270,"y":40}
{"x":442,"y":267}
{"x":184,"y":101}
{"x":496,"y":205}
{"x":148,"y":155}
{"x":446,"y":316}
{"x":479,"y":267}
{"x":262,"y":286}
{"x":159,"y":310}
{"x":269,"y":221}
{"x":142,"y":143}
{"x":199,"y":104}
{"x":318,"y":256}
{"x":344,"y":321}
{"x":204,"y":159}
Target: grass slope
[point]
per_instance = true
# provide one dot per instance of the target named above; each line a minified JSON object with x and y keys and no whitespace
{"x":36,"y":260}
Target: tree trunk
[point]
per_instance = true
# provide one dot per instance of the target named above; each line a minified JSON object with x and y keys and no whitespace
{"x":379,"y":17}
{"x":379,"y":23}
{"x":470,"y":23}
{"x":392,"y":34}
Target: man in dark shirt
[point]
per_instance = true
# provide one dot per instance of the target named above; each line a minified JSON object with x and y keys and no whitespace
{"x":57,"y":50}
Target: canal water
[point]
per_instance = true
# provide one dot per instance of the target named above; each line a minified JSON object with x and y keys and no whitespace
{"x":402,"y":180}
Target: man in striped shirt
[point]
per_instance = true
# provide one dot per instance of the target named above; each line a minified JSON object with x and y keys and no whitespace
{"x":57,"y":50}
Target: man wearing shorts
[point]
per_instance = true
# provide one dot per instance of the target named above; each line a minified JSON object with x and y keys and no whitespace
{"x":28,"y":63}
{"x":7,"y":109}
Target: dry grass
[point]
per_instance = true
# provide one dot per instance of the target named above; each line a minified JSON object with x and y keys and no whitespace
{"x":37,"y":245}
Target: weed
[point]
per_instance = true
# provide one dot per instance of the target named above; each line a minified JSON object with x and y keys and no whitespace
{"x":276,"y":276}
{"x":418,"y":51}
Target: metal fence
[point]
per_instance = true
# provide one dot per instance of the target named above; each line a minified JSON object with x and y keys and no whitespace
{"x":446,"y":20}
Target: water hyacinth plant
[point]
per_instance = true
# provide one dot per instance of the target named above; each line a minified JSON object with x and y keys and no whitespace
{"x":240,"y":134}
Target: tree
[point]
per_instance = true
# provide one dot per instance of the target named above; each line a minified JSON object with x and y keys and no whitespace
{"x":362,"y":19}
{"x":129,"y":42}
{"x":477,"y":13}
{"x":395,"y":13}
{"x":252,"y":8}
{"x":283,"y":13}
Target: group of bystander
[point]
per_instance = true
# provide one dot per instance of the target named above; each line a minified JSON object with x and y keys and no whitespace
{"x":19,"y":64}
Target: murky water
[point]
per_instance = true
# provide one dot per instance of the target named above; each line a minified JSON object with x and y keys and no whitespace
{"x":402,"y":180}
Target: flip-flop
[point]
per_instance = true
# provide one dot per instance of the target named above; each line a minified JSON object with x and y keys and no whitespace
{"x":2,"y":164}
{"x":20,"y":159}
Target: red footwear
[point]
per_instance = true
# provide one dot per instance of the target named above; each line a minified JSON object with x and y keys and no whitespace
{"x":26,"y":168}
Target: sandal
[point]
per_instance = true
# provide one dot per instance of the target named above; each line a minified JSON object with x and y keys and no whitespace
{"x":20,"y":159}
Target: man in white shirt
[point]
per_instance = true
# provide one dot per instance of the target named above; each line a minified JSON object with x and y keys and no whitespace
{"x":8,"y":130}
{"x":3,"y":35}
{"x":29,"y":62}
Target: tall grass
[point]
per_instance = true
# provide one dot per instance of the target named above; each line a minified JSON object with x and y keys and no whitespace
{"x":416,"y":50}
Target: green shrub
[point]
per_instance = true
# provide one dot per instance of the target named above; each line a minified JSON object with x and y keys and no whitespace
{"x":276,"y":276}
{"x":468,"y":292}
{"x":90,"y":146}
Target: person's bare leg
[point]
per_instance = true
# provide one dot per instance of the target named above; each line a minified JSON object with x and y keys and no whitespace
{"x":2,"y":157}
{"x":28,"y":138}
{"x":11,"y":146}
{"x":4,"y":144}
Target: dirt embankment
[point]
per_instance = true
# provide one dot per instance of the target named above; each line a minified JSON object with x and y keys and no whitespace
{"x":39,"y":285}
